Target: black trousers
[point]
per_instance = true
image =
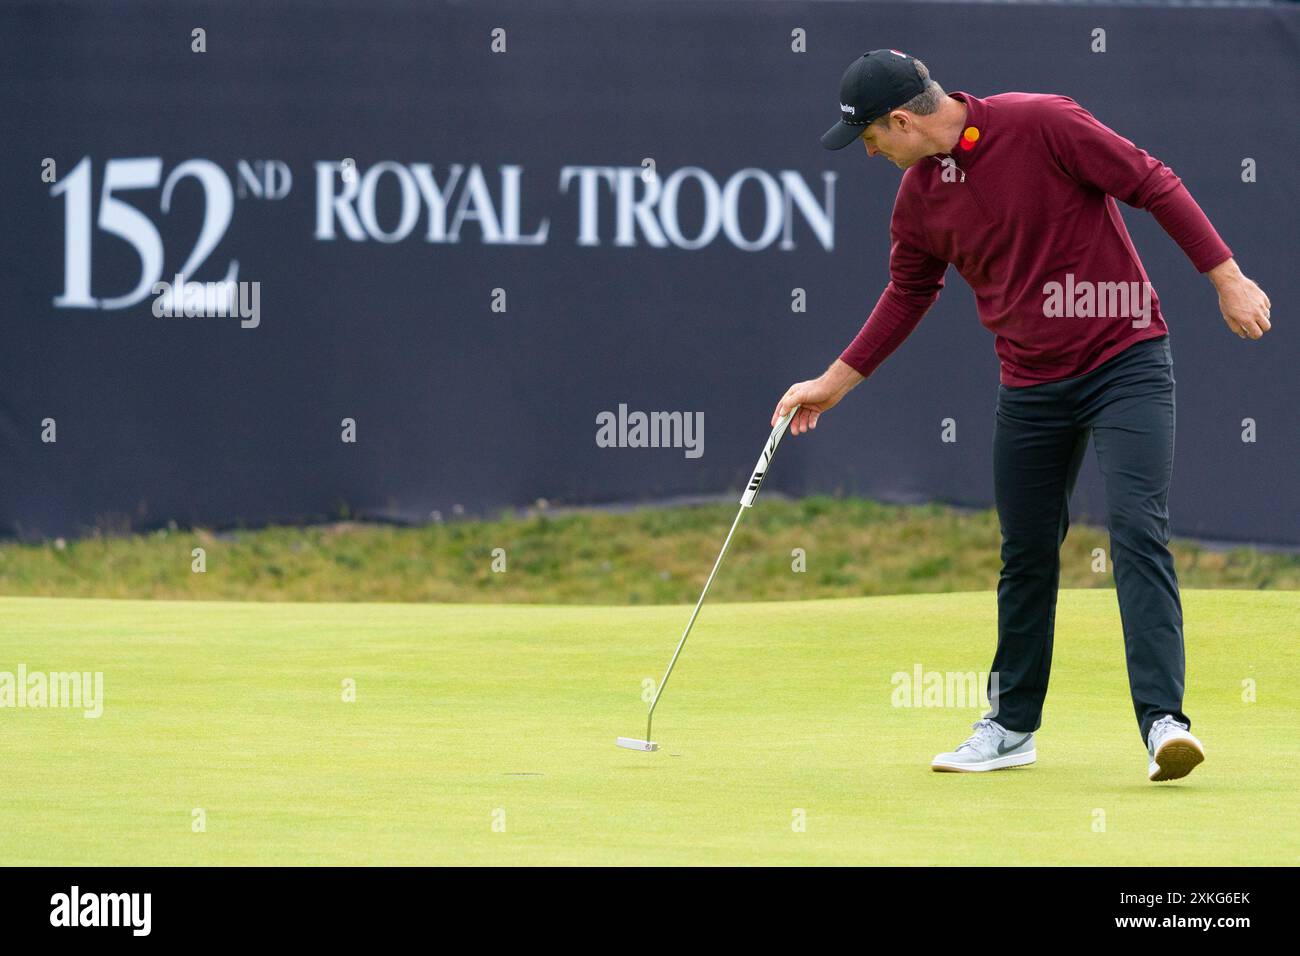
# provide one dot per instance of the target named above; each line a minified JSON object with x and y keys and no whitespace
{"x":1127,"y":407}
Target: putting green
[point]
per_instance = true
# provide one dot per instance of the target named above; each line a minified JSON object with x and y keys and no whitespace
{"x":485,"y":735}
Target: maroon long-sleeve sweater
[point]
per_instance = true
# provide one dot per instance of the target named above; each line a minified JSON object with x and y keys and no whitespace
{"x":1025,"y":209}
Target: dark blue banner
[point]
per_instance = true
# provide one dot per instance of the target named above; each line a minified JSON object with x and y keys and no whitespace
{"x":287,"y":261}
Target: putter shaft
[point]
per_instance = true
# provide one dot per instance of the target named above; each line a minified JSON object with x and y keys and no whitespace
{"x":689,"y":624}
{"x":746,"y":501}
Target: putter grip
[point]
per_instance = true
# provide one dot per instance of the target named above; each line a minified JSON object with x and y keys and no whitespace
{"x":765,"y":459}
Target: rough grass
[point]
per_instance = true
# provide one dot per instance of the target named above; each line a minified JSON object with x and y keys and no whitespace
{"x":851,"y":547}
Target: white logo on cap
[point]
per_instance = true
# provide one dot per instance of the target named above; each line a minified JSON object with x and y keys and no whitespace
{"x":899,"y":53}
{"x":845,"y":108}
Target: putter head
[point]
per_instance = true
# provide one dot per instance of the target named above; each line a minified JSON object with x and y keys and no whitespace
{"x":631,"y":743}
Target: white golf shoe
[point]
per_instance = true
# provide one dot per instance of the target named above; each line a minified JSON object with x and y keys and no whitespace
{"x":1172,"y":749}
{"x":991,"y":747}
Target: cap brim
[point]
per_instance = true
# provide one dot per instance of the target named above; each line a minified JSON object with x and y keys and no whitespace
{"x":840,"y":135}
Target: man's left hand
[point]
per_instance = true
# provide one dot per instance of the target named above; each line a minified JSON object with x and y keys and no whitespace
{"x":1244,"y":305}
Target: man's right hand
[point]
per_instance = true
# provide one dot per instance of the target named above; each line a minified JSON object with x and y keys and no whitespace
{"x":815,"y":396}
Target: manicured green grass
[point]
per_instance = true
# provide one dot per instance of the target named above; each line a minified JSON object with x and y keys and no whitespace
{"x":850,"y":547}
{"x":466,"y":715}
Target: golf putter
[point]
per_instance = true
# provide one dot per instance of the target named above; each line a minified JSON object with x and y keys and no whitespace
{"x":746,"y":501}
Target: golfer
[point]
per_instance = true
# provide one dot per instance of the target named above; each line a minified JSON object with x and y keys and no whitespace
{"x":1018,"y":192}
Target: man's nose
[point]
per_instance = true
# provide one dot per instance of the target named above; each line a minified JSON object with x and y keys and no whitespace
{"x":871,"y":150}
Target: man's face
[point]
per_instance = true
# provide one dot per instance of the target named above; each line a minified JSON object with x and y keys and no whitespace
{"x":895,"y":137}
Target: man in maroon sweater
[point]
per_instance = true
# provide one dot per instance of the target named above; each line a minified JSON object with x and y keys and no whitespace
{"x":1018,"y":192}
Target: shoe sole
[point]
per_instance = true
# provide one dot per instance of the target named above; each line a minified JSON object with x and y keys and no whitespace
{"x":997,"y":763}
{"x":1176,"y":759}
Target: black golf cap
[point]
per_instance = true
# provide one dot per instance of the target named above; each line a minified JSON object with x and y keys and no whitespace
{"x":874,"y":84}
